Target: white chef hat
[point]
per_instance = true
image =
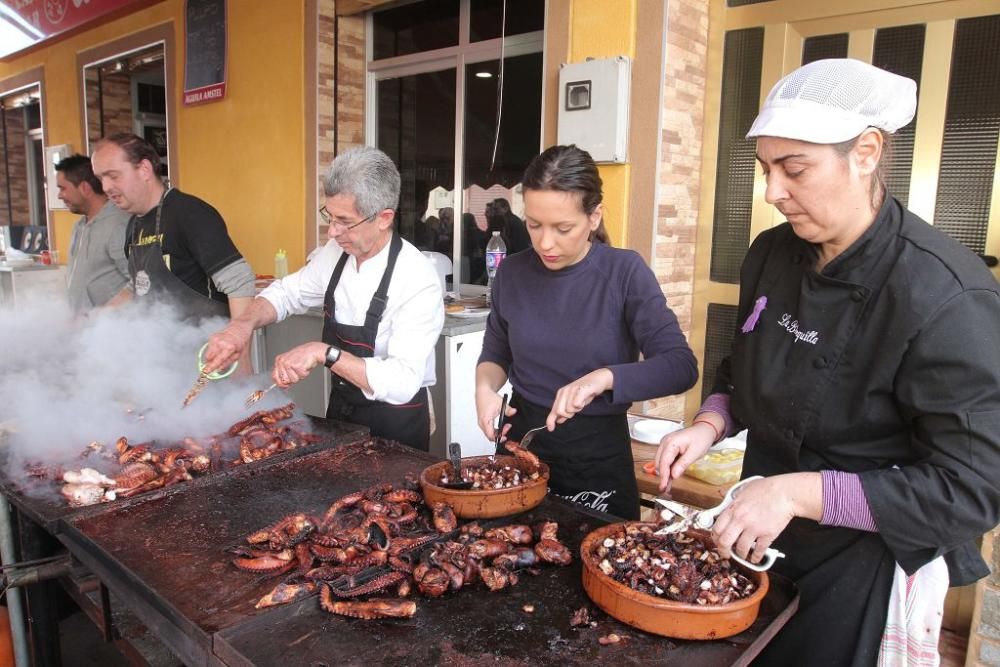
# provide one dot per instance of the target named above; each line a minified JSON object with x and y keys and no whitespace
{"x":833,"y":100}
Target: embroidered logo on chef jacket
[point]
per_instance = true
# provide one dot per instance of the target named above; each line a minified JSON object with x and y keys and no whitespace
{"x":593,"y":499}
{"x":792,"y":327}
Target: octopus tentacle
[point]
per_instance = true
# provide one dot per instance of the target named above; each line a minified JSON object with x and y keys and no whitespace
{"x":264,"y":565}
{"x":379,"y":583}
{"x":369,"y":609}
{"x":284,"y":593}
{"x":403,"y":496}
{"x":346,"y":501}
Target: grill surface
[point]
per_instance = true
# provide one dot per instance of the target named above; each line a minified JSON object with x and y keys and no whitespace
{"x":40,"y":499}
{"x":165,"y":557}
{"x":476,"y":627}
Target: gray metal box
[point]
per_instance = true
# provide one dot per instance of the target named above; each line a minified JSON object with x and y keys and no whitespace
{"x":594,"y":107}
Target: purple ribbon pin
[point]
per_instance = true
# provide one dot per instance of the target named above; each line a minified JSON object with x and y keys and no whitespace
{"x":758,"y":307}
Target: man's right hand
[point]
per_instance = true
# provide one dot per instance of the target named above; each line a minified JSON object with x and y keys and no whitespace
{"x":227,"y":346}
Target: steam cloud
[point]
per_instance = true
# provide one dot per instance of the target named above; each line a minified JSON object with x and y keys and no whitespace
{"x":67,"y":382}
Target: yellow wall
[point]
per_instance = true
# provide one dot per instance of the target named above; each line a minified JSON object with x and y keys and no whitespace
{"x":244,"y":155}
{"x":602,"y":29}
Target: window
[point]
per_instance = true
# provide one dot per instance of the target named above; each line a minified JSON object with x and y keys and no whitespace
{"x":824,"y":46}
{"x":435,"y":105}
{"x":522,"y":16}
{"x":22,"y":170}
{"x":971,"y":130}
{"x":736,"y":159}
{"x":416,"y":128}
{"x":901,"y":50}
{"x":422,"y":26}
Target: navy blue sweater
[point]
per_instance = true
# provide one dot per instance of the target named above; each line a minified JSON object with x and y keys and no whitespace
{"x":549,"y":328}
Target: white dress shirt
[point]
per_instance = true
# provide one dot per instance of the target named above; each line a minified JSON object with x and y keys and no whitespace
{"x":404,"y":346}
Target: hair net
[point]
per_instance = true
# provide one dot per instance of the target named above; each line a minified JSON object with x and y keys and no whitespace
{"x":830,"y":101}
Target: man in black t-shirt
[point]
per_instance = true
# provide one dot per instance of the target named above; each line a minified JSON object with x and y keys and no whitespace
{"x":177,"y":245}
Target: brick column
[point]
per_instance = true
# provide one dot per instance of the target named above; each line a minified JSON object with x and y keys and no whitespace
{"x":685,"y":73}
{"x":984,"y":641}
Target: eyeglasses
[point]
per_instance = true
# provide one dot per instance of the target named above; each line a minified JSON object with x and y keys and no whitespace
{"x":342,"y":226}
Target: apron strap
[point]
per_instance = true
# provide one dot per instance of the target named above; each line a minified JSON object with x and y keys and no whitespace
{"x":377,"y":306}
{"x":334,"y":281}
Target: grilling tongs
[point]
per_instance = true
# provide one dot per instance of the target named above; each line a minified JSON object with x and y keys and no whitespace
{"x":204,"y":377}
{"x":705,"y":519}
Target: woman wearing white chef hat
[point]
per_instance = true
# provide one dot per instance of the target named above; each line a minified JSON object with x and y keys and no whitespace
{"x":867,"y":370}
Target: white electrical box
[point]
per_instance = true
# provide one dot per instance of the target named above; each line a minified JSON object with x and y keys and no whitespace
{"x":594,"y":107}
{"x":53,"y":156}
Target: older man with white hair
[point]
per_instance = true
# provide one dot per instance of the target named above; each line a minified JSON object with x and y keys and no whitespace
{"x":382,"y":303}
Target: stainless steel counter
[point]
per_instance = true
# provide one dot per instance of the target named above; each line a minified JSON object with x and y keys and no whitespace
{"x":22,"y":285}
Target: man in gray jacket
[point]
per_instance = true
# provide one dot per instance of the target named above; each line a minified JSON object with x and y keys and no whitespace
{"x":98,"y":269}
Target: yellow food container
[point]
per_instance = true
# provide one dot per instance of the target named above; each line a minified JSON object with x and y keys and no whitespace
{"x":721,"y":466}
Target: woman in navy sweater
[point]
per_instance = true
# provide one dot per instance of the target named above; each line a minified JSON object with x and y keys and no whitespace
{"x":568,"y":324}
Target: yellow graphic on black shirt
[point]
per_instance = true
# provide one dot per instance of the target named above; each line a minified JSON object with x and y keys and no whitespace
{"x":149,"y":239}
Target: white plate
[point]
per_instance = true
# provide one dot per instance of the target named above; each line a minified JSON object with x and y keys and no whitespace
{"x":469,"y":313}
{"x":651,"y":431}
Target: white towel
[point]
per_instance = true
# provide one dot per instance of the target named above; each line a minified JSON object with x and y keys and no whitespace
{"x":913,"y":625}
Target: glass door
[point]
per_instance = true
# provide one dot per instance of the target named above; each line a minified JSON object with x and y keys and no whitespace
{"x":416,"y":128}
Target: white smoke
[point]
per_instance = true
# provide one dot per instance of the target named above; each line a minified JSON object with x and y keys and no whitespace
{"x":67,"y":381}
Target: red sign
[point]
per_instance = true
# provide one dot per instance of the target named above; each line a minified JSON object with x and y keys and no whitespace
{"x":41,"y":19}
{"x":211,"y":93}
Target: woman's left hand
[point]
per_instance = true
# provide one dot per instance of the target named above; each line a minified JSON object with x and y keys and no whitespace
{"x":294,"y":365}
{"x":578,"y":394}
{"x":762,"y":509}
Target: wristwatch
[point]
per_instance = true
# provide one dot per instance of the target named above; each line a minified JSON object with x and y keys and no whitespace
{"x":332,"y":355}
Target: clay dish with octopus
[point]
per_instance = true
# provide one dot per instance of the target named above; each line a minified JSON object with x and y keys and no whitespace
{"x":669,"y":618}
{"x":486,"y":503}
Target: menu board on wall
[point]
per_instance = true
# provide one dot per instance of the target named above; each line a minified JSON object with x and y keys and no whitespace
{"x":204,"y":51}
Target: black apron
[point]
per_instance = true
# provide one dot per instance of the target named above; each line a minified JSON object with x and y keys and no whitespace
{"x":408,"y":423}
{"x":589,"y":458}
{"x":153,"y":279}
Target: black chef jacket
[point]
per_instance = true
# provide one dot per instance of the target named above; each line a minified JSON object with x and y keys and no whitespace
{"x":886,"y":364}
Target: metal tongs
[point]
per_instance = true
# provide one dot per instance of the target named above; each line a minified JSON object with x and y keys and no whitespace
{"x":203,"y":377}
{"x":705,"y":519}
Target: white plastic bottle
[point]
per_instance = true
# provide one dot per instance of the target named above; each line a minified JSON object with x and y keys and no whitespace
{"x":496,"y":250}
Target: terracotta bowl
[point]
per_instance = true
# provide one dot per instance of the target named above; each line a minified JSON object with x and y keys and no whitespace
{"x":485,"y":504}
{"x":680,"y":620}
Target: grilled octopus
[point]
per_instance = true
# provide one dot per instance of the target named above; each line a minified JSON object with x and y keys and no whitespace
{"x":367,"y":609}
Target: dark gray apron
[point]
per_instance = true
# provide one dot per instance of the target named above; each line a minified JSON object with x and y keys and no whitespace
{"x":153,"y":279}
{"x":408,"y":423}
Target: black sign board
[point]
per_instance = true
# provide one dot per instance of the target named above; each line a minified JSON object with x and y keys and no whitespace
{"x":204,"y":51}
